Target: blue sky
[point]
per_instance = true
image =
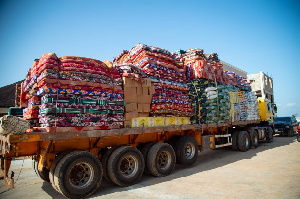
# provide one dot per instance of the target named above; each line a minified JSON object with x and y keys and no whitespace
{"x":251,"y":35}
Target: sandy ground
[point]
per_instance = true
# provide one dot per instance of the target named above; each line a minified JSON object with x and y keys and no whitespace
{"x":270,"y":171}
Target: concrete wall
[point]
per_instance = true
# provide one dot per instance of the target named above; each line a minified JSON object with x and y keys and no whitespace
{"x":229,"y":67}
{"x":3,"y":111}
{"x":262,"y":84}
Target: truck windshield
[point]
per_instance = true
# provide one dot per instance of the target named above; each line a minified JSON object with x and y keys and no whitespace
{"x":283,"y":119}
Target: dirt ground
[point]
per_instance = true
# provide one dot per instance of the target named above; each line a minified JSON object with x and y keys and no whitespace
{"x":270,"y":171}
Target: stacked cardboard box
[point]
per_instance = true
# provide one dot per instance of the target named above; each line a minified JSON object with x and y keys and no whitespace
{"x":138,"y":98}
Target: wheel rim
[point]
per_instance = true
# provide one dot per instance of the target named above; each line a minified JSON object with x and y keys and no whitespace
{"x":164,"y":160}
{"x":189,"y":150}
{"x":255,"y":140}
{"x":129,"y":166}
{"x":81,"y":175}
{"x":246,"y":142}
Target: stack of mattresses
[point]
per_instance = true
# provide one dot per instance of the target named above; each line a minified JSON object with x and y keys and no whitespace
{"x":233,"y":79}
{"x":45,"y":67}
{"x":18,"y":95}
{"x":84,"y":95}
{"x":73,"y":92}
{"x":168,"y":77}
{"x":229,"y":78}
{"x":131,"y":71}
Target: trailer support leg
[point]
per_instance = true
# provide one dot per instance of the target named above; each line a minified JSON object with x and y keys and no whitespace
{"x":5,"y":164}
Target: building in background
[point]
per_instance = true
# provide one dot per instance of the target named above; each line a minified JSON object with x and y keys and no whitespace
{"x":229,"y":67}
{"x":7,"y":97}
{"x":262,"y":84}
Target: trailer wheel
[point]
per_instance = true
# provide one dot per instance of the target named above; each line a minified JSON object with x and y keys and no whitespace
{"x":161,"y":159}
{"x":145,"y":151}
{"x":53,"y":167}
{"x":234,"y":138}
{"x":254,"y":139}
{"x":269,"y":137}
{"x":186,"y":150}
{"x":125,"y":166}
{"x":44,"y":174}
{"x":104,"y":161}
{"x":243,"y":141}
{"x":78,"y":174}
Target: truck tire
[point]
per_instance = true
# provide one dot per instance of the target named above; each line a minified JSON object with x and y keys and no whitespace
{"x":161,"y":159}
{"x":145,"y":151}
{"x":254,"y":139}
{"x":78,"y":174}
{"x":53,"y":167}
{"x":269,"y":137}
{"x":234,"y":138}
{"x":186,"y":150}
{"x":44,"y":174}
{"x":104,"y":162}
{"x":243,"y":141}
{"x":125,"y":166}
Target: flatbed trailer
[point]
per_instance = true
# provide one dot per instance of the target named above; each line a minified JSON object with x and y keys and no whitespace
{"x":75,"y":161}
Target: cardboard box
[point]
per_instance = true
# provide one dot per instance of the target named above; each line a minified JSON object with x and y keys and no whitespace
{"x":146,"y":108}
{"x":131,"y":115}
{"x":131,"y":107}
{"x":127,"y":82}
{"x":145,"y":90}
{"x":151,"y":90}
{"x":130,"y":91}
{"x":147,"y":82}
{"x":144,"y":99}
{"x":140,"y":108}
{"x":130,"y":98}
{"x":136,"y":84}
{"x":139,"y":91}
{"x":127,"y":124}
{"x":143,"y":108}
{"x":158,"y":121}
{"x":143,"y":114}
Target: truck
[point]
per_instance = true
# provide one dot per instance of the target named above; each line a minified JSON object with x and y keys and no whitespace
{"x":75,"y":160}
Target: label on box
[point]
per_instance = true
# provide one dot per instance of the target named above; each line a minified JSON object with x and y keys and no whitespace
{"x":169,"y":121}
{"x":158,"y":121}
{"x":143,"y":122}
